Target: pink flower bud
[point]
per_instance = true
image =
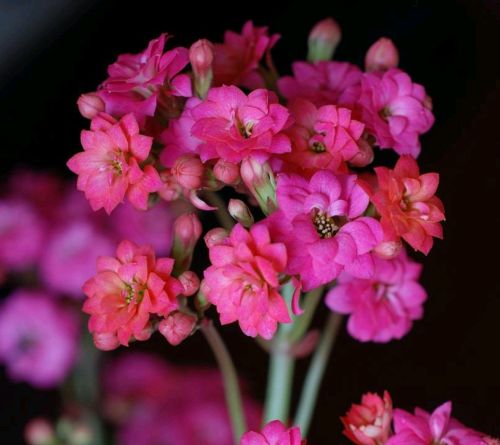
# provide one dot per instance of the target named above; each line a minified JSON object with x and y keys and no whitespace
{"x":190,"y":282}
{"x":215,"y":237}
{"x":106,"y":341}
{"x":323,"y":40}
{"x":170,"y":190}
{"x":491,"y":441}
{"x":259,"y":179}
{"x":176,"y":327}
{"x":388,"y":249}
{"x":382,"y":55}
{"x":240,"y":212}
{"x":226,"y":172}
{"x":187,"y":231}
{"x":188,"y":171}
{"x":201,"y":56}
{"x":365,"y":155}
{"x":90,"y":105}
{"x":39,"y":432}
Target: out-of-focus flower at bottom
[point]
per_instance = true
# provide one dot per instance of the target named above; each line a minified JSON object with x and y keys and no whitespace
{"x":274,"y":433}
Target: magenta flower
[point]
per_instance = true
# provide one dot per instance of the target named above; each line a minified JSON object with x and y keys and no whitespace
{"x":243,"y":280}
{"x":237,"y":59}
{"x":438,"y":428}
{"x":135,"y":80}
{"x":233,"y":126}
{"x":323,"y":83}
{"x":395,"y":110}
{"x":38,"y":338}
{"x":324,"y":137}
{"x":320,"y":221}
{"x":383,"y":307}
{"x":274,"y":433}
{"x":108,"y":168}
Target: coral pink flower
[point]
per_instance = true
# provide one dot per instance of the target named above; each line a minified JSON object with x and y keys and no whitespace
{"x":108,"y":168}
{"x":274,"y":433}
{"x":237,"y":59}
{"x":383,"y":307}
{"x":323,"y":83}
{"x":438,"y":428}
{"x":126,"y":290}
{"x":320,"y":222}
{"x":322,"y":138}
{"x":243,"y":280}
{"x":370,"y":422}
{"x":407,"y":205}
{"x":38,"y":338}
{"x":135,"y":80}
{"x":233,"y":126}
{"x":395,"y":110}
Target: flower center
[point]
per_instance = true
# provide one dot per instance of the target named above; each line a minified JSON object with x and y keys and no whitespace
{"x":116,"y":164}
{"x":385,"y":113}
{"x":317,"y":147}
{"x":245,"y":129}
{"x":326,"y":225}
{"x":133,"y":293}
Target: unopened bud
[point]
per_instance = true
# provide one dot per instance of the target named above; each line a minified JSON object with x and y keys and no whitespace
{"x":187,"y":231}
{"x":226,"y":172}
{"x":201,"y":56}
{"x":176,"y":327}
{"x":188,"y":171}
{"x":200,"y":301}
{"x":170,"y":190}
{"x":215,"y":237}
{"x":323,"y":40}
{"x":364,"y":156}
{"x":106,"y":341}
{"x":388,"y":250}
{"x":90,"y":105}
{"x":381,"y":56}
{"x":190,"y":282}
{"x":240,"y":212}
{"x":39,"y":432}
{"x":259,"y":179}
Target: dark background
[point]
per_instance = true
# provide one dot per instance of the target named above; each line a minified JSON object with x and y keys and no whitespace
{"x":54,"y":50}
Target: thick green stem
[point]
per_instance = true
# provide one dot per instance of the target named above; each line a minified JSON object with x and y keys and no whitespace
{"x":231,"y":384}
{"x":315,"y":373}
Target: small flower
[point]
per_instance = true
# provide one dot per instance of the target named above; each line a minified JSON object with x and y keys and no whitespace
{"x":108,"y":168}
{"x":187,"y":232}
{"x":227,"y":172}
{"x":274,"y":433}
{"x":370,"y":422}
{"x":201,"y":56}
{"x":243,"y":280}
{"x":240,"y":212}
{"x":90,"y":105}
{"x":382,"y":55}
{"x":188,"y":171}
{"x":176,"y":327}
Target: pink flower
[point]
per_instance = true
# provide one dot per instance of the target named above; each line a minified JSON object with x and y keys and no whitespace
{"x":109,"y":167}
{"x":126,"y":290}
{"x":407,"y":205}
{"x":176,"y":327}
{"x":274,"y":433}
{"x":243,"y":280}
{"x":38,"y":338}
{"x":382,"y":55}
{"x":323,"y":83}
{"x":395,"y":110}
{"x":237,"y":59}
{"x":233,"y":126}
{"x":136,"y":80}
{"x":438,"y":428}
{"x":383,"y":307}
{"x":370,"y":422}
{"x":322,"y":138}
{"x":320,"y":221}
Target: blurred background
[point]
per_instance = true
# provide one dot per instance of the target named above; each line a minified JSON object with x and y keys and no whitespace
{"x":53,"y":50}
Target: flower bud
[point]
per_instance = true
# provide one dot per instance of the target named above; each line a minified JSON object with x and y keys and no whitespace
{"x":226,"y":172}
{"x":381,"y":56}
{"x":106,"y":341}
{"x":39,"y":432}
{"x":188,"y":171}
{"x":240,"y":212}
{"x":200,"y":301}
{"x":388,"y":250}
{"x":187,"y":231}
{"x":170,"y":190}
{"x":323,"y":40}
{"x":190,"y":282}
{"x":215,"y":237}
{"x":259,"y":179}
{"x":201,"y":56}
{"x":176,"y":327}
{"x":90,"y":105}
{"x":365,"y":155}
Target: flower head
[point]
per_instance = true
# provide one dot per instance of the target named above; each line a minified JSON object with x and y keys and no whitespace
{"x":274,"y":433}
{"x":243,"y":280}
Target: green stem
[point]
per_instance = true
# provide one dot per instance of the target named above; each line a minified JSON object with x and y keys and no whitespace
{"x":315,"y":373}
{"x":223,"y":216}
{"x":302,"y":323}
{"x":231,"y":384}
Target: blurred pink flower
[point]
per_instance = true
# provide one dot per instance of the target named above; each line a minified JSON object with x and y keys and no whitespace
{"x":274,"y":433}
{"x":38,"y":338}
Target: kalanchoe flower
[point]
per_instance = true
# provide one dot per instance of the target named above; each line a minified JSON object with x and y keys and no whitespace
{"x":226,"y":172}
{"x":126,"y":291}
{"x":259,"y":180}
{"x":407,"y":205}
{"x":39,"y":431}
{"x":381,"y":56}
{"x":233,"y":126}
{"x":323,"y":83}
{"x":176,"y":327}
{"x":240,"y":212}
{"x":201,"y":56}
{"x":38,"y":338}
{"x":274,"y":433}
{"x":323,"y":40}
{"x":108,"y":168}
{"x":322,"y":138}
{"x":383,"y":307}
{"x":237,"y":59}
{"x":190,"y":282}
{"x":395,"y":110}
{"x":370,"y":422}
{"x":320,"y":222}
{"x":438,"y":428}
{"x":187,"y":232}
{"x":188,"y":171}
{"x":90,"y":105}
{"x":243,"y":280}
